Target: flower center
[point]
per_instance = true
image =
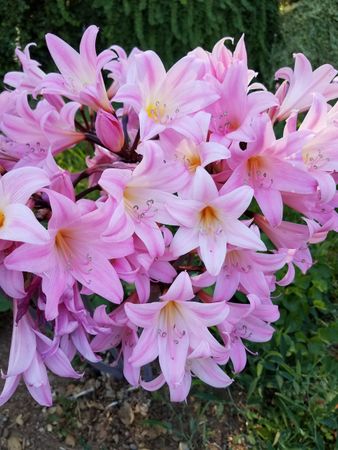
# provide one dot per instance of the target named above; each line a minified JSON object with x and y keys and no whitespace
{"x":257,"y":170}
{"x":157,"y":111}
{"x":314,"y":158}
{"x":2,"y":219}
{"x":208,"y":216}
{"x":62,"y":243}
{"x":188,"y":153}
{"x":210,"y":221}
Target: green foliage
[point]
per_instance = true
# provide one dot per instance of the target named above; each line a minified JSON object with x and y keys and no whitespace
{"x":292,"y":384}
{"x":170,"y":28}
{"x":310,"y":27}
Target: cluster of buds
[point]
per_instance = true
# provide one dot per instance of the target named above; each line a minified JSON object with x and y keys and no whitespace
{"x":176,"y":224}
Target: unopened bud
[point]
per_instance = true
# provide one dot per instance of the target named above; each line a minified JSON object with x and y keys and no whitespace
{"x":109,"y":131}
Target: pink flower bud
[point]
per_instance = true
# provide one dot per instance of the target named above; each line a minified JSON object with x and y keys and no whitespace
{"x":109,"y":131}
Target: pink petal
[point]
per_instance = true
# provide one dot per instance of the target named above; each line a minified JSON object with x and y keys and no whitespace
{"x":240,"y":235}
{"x":20,"y":184}
{"x":209,"y":314}
{"x":21,"y":225}
{"x":181,"y":289}
{"x":143,"y":315}
{"x":146,"y":349}
{"x":271,"y":203}
{"x":210,"y":372}
{"x":213,"y":250}
{"x":185,"y":240}
{"x":204,"y":188}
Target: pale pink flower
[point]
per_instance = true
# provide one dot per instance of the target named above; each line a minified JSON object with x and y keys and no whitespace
{"x":31,"y":76}
{"x":31,"y":352}
{"x":140,"y":195}
{"x":209,"y":220}
{"x":192,"y":150}
{"x":175,"y":327}
{"x":81,"y":78}
{"x":264,"y":166}
{"x":232,"y":114}
{"x":74,"y":252}
{"x":245,"y":270}
{"x":301,"y":83}
{"x":250,"y":322}
{"x":161,"y":99}
{"x":113,"y":330}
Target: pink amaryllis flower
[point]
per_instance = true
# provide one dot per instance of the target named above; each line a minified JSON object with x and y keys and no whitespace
{"x":31,"y":352}
{"x":295,"y":93}
{"x":233,"y":113}
{"x":242,"y":269}
{"x":291,"y":239}
{"x":141,"y":194}
{"x":175,"y":327}
{"x":74,"y":252}
{"x":264,"y":166}
{"x":162,"y":99}
{"x":31,"y":76}
{"x":115,"y":329}
{"x":250,"y":322}
{"x":210,"y":220}
{"x":43,"y":127}
{"x":193,"y":149}
{"x":17,"y":221}
{"x":81,"y":78}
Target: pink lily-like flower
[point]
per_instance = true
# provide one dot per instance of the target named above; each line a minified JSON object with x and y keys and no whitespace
{"x":194,"y":151}
{"x":119,"y":67}
{"x":206,"y":369}
{"x":74,"y":252}
{"x":140,"y":195}
{"x":291,"y":239}
{"x":249,"y":322}
{"x":73,"y":325}
{"x":81,"y":78}
{"x":300,"y":84}
{"x":175,"y":327}
{"x":43,"y":127}
{"x":233,"y":113}
{"x":163,"y":100}
{"x":210,"y":220}
{"x":31,"y":352}
{"x":17,"y":221}
{"x":242,"y":269}
{"x":140,"y":268}
{"x":115,"y":329}
{"x":320,"y":152}
{"x":31,"y":76}
{"x":264,"y":167}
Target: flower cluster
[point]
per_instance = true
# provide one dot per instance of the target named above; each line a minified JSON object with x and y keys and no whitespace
{"x":166,"y":245}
